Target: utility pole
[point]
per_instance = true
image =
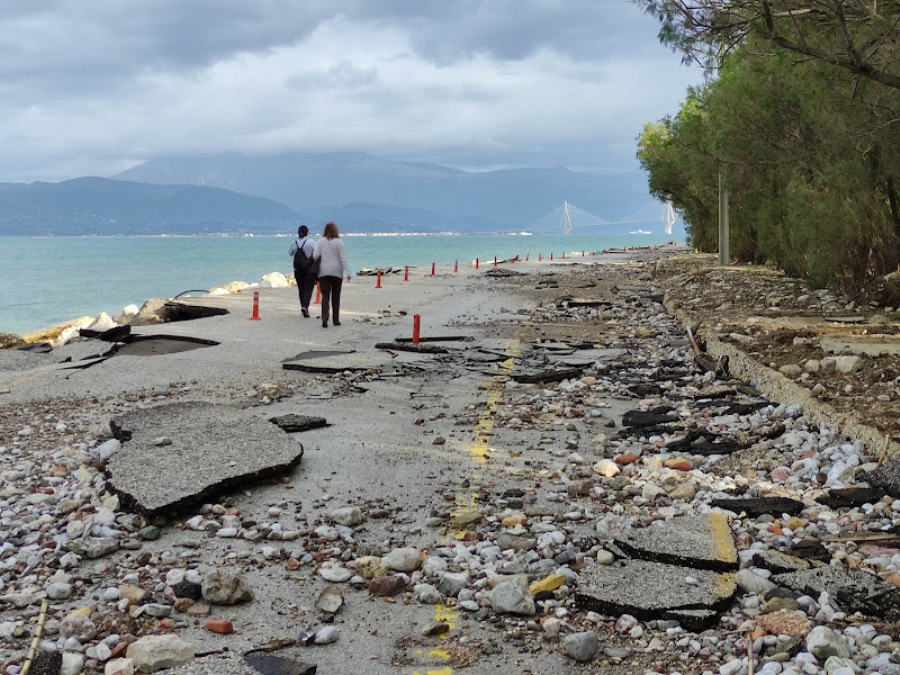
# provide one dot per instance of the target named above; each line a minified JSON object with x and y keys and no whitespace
{"x":724,"y":254}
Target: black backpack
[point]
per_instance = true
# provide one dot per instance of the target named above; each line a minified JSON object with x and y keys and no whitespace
{"x":302,"y":262}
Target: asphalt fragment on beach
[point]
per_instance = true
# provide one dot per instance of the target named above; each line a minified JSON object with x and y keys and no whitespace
{"x":572,"y":500}
{"x":166,"y":462}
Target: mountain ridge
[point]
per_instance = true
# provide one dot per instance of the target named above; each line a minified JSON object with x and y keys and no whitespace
{"x":96,"y":205}
{"x":234,"y":193}
{"x":501,"y":199}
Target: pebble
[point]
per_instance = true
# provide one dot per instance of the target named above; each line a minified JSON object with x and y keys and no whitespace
{"x":581,"y":646}
{"x":582,"y":477}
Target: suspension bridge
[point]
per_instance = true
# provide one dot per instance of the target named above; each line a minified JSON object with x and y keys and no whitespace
{"x":567,"y":217}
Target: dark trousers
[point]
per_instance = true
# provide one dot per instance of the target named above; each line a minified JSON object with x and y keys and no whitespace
{"x":331,"y":292}
{"x":305,"y":285}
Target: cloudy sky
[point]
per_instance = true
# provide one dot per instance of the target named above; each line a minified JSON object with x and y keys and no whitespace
{"x":91,"y":87}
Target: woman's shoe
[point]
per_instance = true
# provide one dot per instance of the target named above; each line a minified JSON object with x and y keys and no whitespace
{"x":324,"y":324}
{"x":305,"y":313}
{"x":337,"y":323}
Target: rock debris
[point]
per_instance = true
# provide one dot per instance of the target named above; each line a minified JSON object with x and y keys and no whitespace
{"x":629,"y":510}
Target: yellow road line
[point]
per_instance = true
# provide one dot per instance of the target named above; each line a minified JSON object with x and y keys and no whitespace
{"x":723,"y":540}
{"x":30,"y":376}
{"x":467,"y":497}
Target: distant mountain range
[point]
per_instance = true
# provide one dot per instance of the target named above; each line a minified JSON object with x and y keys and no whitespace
{"x":104,"y":206}
{"x":241,"y":193}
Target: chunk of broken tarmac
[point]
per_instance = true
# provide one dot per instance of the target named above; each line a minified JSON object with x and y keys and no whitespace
{"x":214,"y":448}
{"x":586,"y":357}
{"x":839,"y":498}
{"x":292,"y":423}
{"x":853,"y":590}
{"x":336,"y":361}
{"x":699,"y":542}
{"x":267,"y":664}
{"x":887,"y":477}
{"x":759,"y":506}
{"x":652,"y":590}
{"x":552,"y":375}
{"x":411,"y":347}
{"x":779,"y":561}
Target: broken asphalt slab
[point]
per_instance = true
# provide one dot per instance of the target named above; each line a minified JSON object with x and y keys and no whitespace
{"x":336,"y":361}
{"x":586,"y":357}
{"x":698,"y":542}
{"x":683,"y":570}
{"x":853,"y":590}
{"x":266,"y":664}
{"x":758,"y":506}
{"x":178,"y":455}
{"x":839,"y":498}
{"x":438,"y":338}
{"x":887,"y":477}
{"x":552,"y":375}
{"x":294,"y":423}
{"x":652,"y":590}
{"x":411,"y":347}
{"x":152,"y":345}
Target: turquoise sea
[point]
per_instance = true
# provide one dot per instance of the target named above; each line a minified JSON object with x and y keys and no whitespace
{"x":47,"y":280}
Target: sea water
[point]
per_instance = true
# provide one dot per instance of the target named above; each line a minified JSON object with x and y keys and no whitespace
{"x":48,"y":280}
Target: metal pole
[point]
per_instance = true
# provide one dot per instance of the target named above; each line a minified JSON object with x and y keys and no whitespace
{"x":724,"y":254}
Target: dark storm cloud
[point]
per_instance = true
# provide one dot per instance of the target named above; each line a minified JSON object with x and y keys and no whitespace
{"x":94,"y":86}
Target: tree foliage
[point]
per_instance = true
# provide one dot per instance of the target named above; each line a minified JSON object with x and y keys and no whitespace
{"x":859,"y":36}
{"x":811,"y":156}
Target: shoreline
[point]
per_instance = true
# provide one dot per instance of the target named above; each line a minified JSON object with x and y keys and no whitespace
{"x":65,"y":329}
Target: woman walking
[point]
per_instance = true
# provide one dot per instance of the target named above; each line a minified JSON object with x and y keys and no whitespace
{"x":333,"y":267}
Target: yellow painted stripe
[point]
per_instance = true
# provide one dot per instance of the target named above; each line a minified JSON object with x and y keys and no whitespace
{"x":467,"y":498}
{"x":723,"y":540}
{"x":25,"y":378}
{"x":443,"y":613}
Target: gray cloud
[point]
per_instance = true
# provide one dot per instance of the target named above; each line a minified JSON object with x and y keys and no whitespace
{"x":94,"y":87}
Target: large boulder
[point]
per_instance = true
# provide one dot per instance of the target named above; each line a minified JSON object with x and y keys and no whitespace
{"x":512,"y":597}
{"x":158,"y":652}
{"x":153,"y":311}
{"x":274,"y":280}
{"x":230,"y":287}
{"x":60,"y":333}
{"x":103,"y":322}
{"x":8,"y":340}
{"x":223,"y":587}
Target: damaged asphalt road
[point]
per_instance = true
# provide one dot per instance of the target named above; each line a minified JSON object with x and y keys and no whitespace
{"x":451,"y":516}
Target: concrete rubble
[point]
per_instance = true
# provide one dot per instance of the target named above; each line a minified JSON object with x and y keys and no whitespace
{"x":626,"y":509}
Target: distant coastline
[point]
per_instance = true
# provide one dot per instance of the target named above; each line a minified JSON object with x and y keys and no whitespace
{"x":41,"y":288}
{"x":246,"y":235}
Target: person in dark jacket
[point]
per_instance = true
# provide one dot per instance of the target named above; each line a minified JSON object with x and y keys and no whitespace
{"x":302,"y":252}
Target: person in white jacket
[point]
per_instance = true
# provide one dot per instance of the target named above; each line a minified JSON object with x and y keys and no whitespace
{"x":333,"y":268}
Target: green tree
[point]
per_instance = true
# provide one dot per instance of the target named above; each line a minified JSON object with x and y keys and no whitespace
{"x":681,"y":169}
{"x":810,"y":158}
{"x":859,"y":36}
